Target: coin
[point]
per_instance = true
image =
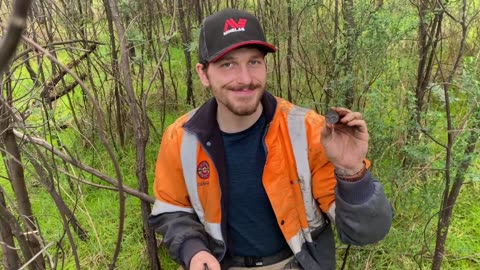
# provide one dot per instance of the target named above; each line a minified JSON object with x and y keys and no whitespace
{"x":332,"y":117}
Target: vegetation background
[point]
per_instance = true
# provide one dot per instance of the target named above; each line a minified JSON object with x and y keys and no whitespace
{"x":93,"y":84}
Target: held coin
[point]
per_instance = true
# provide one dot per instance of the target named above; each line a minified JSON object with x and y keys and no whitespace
{"x":332,"y":117}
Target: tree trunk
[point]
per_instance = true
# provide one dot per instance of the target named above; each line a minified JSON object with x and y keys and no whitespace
{"x":19,"y":235}
{"x":116,"y":76}
{"x":332,"y":72}
{"x":350,"y":39}
{"x":141,"y":137}
{"x":16,"y":174}
{"x":447,"y":209}
{"x":198,"y":11}
{"x":428,"y":38}
{"x":185,"y":29}
{"x":289,"y":50}
{"x":173,"y":80}
{"x":269,"y":18}
{"x":11,"y":261}
{"x":450,"y":195}
{"x":17,"y":23}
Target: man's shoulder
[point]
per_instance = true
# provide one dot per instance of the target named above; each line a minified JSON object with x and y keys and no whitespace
{"x":287,"y":107}
{"x":180,"y":121}
{"x":176,"y":127}
{"x":292,"y":112}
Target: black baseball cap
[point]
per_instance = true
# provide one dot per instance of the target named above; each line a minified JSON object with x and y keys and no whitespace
{"x":227,"y":30}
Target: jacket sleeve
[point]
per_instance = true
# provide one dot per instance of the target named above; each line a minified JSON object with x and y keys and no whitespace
{"x":172,"y":214}
{"x":361,"y":211}
{"x":182,"y":234}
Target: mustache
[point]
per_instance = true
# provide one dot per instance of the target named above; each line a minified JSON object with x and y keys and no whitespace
{"x":246,"y":86}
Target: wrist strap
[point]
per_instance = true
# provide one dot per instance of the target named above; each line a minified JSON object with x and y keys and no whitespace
{"x":354,"y":177}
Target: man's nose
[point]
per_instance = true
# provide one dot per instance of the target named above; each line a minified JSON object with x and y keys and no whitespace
{"x":244,"y":75}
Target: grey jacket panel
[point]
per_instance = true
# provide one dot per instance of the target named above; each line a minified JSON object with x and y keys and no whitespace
{"x":320,"y":254}
{"x":183,"y":235}
{"x":364,"y":223}
{"x":363,"y":215}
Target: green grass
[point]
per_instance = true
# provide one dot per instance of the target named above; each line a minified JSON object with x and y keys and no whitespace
{"x":410,"y":244}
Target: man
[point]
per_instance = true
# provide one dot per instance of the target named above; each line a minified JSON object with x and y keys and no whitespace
{"x":247,"y":180}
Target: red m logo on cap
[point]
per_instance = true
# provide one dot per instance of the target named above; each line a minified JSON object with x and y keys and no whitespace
{"x":231,"y":23}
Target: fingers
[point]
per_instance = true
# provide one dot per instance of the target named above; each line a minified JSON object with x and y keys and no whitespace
{"x":351,"y":116}
{"x":360,"y":125}
{"x":341,"y":111}
{"x":204,"y":260}
{"x":348,"y":119}
{"x":347,"y":115}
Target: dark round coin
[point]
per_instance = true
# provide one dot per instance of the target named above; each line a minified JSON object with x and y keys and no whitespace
{"x":332,"y":117}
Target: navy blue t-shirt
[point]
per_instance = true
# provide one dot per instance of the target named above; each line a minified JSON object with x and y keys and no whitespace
{"x":252,"y":225}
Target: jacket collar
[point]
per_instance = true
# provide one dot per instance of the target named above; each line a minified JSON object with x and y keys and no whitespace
{"x":204,"y":122}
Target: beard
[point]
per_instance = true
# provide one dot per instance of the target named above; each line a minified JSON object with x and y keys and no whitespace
{"x":242,"y":111}
{"x":241,"y":105}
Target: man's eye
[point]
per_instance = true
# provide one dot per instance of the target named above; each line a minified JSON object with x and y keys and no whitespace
{"x":227,"y":65}
{"x":255,"y":62}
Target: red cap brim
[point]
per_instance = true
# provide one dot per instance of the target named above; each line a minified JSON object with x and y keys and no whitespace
{"x":269,"y":47}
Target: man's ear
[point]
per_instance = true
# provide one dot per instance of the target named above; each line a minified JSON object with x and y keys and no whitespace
{"x":202,"y":74}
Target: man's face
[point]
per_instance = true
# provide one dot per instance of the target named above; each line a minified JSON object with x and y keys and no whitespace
{"x":237,"y":80}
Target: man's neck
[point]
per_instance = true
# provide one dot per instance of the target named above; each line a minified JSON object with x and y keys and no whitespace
{"x":232,"y":123}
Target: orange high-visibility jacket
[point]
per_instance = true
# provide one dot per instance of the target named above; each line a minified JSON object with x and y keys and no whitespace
{"x":298,"y":178}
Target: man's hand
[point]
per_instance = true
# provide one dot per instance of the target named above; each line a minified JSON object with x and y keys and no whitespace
{"x":203,"y":258}
{"x":346,"y":143}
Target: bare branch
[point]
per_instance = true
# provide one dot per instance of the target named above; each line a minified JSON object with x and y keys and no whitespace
{"x":80,"y":165}
{"x":424,"y":131}
{"x":36,"y":255}
{"x":53,"y":44}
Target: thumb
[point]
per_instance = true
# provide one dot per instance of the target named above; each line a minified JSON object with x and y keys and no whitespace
{"x":326,"y":131}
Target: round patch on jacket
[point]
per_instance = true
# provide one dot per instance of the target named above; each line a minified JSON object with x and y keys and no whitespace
{"x":203,"y":170}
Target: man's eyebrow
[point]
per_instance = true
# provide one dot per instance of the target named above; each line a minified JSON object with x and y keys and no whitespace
{"x":229,"y":57}
{"x":226,"y":57}
{"x":258,"y":55}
